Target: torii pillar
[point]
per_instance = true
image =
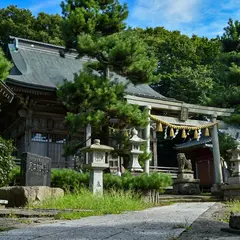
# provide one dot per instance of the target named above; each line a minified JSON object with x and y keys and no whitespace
{"x":218,"y":178}
{"x":147,"y":137}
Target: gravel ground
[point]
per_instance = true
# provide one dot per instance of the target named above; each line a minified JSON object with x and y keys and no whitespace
{"x":208,"y":226}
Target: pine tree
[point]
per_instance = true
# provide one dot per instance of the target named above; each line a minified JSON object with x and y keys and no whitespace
{"x":94,"y":28}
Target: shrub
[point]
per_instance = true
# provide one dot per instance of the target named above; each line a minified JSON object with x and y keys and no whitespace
{"x":69,"y":180}
{"x":15,"y":176}
{"x":7,"y":162}
{"x":73,"y":181}
{"x":143,"y":182}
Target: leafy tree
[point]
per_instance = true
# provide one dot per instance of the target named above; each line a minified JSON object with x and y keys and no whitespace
{"x":47,"y":28}
{"x":226,"y":91}
{"x":21,"y":23}
{"x":185,"y":64}
{"x":190,"y":85}
{"x":15,"y":22}
{"x":5,"y":66}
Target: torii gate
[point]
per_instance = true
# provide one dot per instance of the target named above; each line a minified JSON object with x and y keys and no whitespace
{"x":179,"y":116}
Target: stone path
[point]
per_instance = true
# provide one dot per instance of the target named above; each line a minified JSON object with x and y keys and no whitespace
{"x":162,"y":223}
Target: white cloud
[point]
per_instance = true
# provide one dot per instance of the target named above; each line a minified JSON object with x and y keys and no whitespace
{"x":201,"y":17}
{"x":35,"y":8}
{"x":170,"y":12}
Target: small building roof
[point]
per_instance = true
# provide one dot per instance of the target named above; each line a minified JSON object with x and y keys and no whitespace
{"x":39,"y":65}
{"x":230,"y":129}
{"x":193,"y":143}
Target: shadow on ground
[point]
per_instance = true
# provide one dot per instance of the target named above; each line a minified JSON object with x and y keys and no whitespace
{"x":70,"y":231}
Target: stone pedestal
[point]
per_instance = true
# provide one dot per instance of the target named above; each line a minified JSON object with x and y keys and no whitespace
{"x":216,"y":190}
{"x":134,"y":165}
{"x":231,"y":192}
{"x":185,"y":184}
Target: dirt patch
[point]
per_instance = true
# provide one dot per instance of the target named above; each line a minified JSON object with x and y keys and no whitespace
{"x":8,"y":223}
{"x":208,"y":225}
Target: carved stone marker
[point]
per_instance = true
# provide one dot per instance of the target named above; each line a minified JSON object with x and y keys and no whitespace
{"x":35,"y":170}
{"x":185,"y":182}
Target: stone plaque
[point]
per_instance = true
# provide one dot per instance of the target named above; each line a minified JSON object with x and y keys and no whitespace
{"x":35,"y":170}
{"x":184,"y":114}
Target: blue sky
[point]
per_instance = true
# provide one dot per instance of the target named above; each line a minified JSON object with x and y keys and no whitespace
{"x":201,"y":17}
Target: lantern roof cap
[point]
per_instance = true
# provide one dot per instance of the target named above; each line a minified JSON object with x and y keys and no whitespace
{"x":135,"y":138}
{"x":96,"y":146}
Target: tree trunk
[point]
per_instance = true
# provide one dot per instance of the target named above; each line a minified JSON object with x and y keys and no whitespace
{"x":107,"y":72}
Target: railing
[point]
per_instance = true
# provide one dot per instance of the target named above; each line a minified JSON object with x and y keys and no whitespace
{"x":18,"y":161}
{"x":170,"y":170}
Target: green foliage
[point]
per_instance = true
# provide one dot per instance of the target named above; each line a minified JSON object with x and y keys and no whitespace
{"x":7,"y":162}
{"x":14,"y":175}
{"x":185,"y":64}
{"x":73,"y":181}
{"x":226,"y":91}
{"x":112,"y":202}
{"x":226,"y":143}
{"x":124,"y":53}
{"x":234,"y":206}
{"x":5,"y":66}
{"x":69,"y":180}
{"x":143,"y":182}
{"x":230,"y":37}
{"x":191,"y":85}
{"x":21,"y":23}
{"x":95,"y":100}
{"x":91,"y":17}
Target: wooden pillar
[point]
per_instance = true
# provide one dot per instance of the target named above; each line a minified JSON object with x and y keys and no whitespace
{"x":218,"y":179}
{"x":88,"y":138}
{"x":155,"y":157}
{"x":147,"y":137}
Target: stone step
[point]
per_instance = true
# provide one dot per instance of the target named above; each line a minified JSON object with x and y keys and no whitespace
{"x":188,"y":198}
{"x":182,"y":200}
{"x":39,"y":213}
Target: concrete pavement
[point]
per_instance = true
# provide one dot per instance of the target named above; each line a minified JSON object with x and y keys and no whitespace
{"x":162,"y":223}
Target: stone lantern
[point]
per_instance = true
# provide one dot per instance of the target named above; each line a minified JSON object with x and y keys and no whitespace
{"x":232,"y":189}
{"x":235,"y":165}
{"x":97,"y":162}
{"x":136,"y":142}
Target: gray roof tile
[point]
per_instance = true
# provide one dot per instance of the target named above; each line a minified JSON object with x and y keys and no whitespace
{"x":40,"y":65}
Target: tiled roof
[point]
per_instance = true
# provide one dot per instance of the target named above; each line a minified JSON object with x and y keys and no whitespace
{"x":39,"y":65}
{"x":203,"y":140}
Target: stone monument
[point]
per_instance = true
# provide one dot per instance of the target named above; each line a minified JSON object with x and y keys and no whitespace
{"x":97,"y":162}
{"x":136,"y":142}
{"x":185,"y":182}
{"x":35,"y":170}
{"x":232,"y":190}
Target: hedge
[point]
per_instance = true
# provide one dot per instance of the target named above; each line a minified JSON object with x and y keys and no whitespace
{"x":71,"y":180}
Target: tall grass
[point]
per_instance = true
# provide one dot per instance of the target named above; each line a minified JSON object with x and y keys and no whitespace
{"x":112,"y":202}
{"x":234,"y":206}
